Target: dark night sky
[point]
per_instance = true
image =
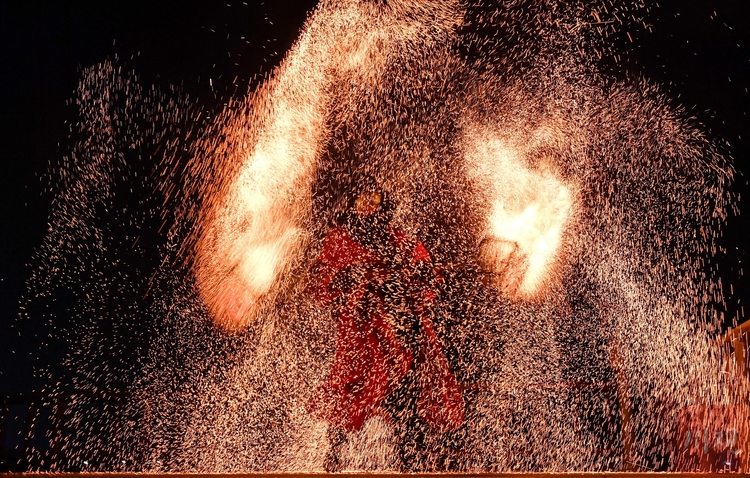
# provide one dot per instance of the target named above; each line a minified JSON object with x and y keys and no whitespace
{"x":700,"y":51}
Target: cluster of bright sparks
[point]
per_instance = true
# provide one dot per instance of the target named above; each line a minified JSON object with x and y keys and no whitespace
{"x":562,"y":209}
{"x":257,"y":230}
{"x":528,"y":215}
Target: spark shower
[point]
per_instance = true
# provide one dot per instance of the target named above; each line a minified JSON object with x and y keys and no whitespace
{"x":571,"y":214}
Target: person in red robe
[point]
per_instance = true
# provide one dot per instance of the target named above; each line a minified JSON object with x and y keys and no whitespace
{"x":388,"y":360}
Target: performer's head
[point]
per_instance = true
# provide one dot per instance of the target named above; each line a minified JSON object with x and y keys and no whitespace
{"x":368,"y":197}
{"x":368,"y":202}
{"x":370,"y":212}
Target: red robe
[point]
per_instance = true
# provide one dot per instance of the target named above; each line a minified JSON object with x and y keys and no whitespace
{"x":370,"y":361}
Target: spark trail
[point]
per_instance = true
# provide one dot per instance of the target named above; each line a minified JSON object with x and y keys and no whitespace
{"x":569,"y":212}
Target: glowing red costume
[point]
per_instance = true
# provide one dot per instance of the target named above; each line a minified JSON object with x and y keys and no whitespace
{"x":370,"y":360}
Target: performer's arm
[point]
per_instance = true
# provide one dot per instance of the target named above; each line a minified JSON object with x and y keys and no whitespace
{"x":425,"y":277}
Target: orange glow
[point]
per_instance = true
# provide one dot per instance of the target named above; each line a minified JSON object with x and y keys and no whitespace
{"x":528,"y":210}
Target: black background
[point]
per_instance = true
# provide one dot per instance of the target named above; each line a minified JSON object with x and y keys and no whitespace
{"x":698,"y":51}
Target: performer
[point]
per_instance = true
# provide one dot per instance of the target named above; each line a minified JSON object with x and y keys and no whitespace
{"x":388,"y":360}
